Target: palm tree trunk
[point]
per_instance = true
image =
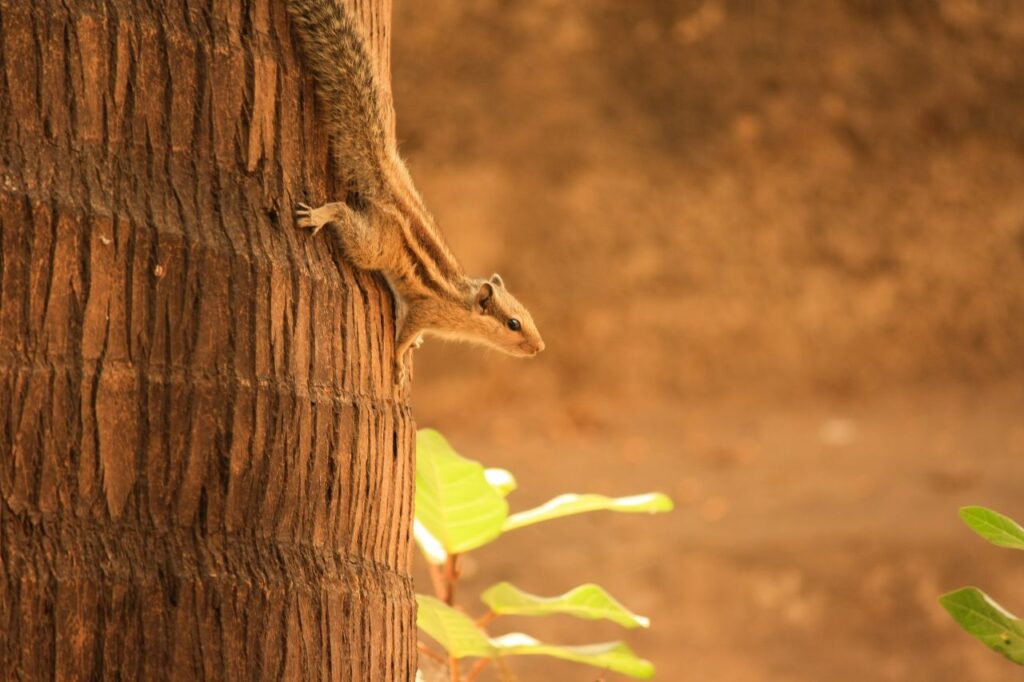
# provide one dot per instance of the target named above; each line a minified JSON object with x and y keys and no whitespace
{"x":205,"y":472}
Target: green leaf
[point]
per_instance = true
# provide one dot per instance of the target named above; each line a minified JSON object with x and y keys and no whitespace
{"x":461,"y":638}
{"x":586,"y":601}
{"x":994,"y":527}
{"x":454,"y":502}
{"x":614,"y":656}
{"x":431,"y":547}
{"x":501,"y":480}
{"x":566,"y":505}
{"x":996,"y":627}
{"x":452,"y":629}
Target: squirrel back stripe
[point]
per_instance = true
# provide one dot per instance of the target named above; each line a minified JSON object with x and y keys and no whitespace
{"x":428,"y":239}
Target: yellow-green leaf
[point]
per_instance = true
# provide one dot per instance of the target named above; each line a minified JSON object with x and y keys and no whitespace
{"x":431,"y":547}
{"x":501,"y":480}
{"x":453,"y":630}
{"x":454,"y":502}
{"x":614,"y":656}
{"x":566,"y":505}
{"x":996,"y":627}
{"x":586,"y":601}
{"x":461,"y":638}
{"x":998,"y":529}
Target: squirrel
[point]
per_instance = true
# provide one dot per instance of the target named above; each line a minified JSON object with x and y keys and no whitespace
{"x":383,"y":224}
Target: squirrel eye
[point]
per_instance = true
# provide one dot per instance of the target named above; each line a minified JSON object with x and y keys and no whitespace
{"x":514,"y":325}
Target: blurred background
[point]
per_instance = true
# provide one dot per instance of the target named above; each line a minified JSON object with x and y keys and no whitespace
{"x":776,"y":250}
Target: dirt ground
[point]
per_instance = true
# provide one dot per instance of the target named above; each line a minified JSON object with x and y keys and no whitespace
{"x":777,"y":253}
{"x":810,"y":540}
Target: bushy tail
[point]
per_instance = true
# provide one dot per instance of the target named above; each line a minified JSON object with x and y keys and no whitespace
{"x":346,"y":81}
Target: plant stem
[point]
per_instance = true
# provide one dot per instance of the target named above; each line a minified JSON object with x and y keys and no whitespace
{"x":477,"y":668}
{"x":429,"y":653}
{"x":485,"y":620}
{"x":446,"y":593}
{"x":451,"y":574}
{"x":437,"y":580}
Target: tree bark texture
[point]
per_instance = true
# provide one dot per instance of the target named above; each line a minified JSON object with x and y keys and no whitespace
{"x":205,"y":472}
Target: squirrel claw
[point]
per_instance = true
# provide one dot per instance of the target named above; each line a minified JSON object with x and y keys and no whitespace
{"x":402,"y":365}
{"x":304,"y":218}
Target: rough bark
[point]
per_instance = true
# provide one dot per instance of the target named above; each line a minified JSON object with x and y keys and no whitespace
{"x":205,"y":472}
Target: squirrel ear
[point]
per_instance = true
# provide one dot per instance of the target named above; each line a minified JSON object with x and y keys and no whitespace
{"x":483,"y":296}
{"x":496,"y":280}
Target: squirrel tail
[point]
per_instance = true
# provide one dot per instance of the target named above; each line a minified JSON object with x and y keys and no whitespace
{"x":346,"y":79}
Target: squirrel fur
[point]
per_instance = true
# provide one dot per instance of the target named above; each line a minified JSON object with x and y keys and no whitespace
{"x":384,"y":225}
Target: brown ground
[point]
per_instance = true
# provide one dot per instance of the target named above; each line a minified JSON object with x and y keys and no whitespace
{"x":810,"y":541}
{"x":777,"y":251}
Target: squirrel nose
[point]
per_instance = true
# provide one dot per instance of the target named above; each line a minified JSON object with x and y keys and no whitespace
{"x":540,"y":345}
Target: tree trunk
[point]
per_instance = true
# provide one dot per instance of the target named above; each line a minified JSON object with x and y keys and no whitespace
{"x":205,"y":472}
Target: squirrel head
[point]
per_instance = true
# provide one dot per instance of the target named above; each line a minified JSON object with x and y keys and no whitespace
{"x":507,"y":324}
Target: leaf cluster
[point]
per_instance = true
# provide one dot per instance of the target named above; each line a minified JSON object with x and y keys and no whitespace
{"x":975,"y":611}
{"x":462,"y":506}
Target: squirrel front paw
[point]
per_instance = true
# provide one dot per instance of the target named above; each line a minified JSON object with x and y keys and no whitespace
{"x":401,"y":375}
{"x":306,"y":218}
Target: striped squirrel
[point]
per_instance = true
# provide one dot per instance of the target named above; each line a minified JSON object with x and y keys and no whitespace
{"x":383,"y":224}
